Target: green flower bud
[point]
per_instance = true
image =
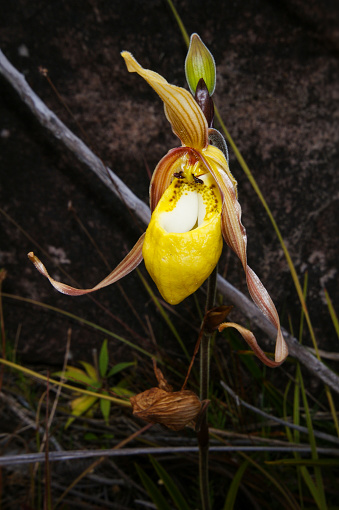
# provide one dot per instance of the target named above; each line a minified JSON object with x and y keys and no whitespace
{"x":199,"y":64}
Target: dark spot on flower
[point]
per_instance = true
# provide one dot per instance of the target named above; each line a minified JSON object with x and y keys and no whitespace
{"x":179,"y":175}
{"x":197,"y":180}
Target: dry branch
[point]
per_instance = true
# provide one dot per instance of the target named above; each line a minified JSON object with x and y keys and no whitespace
{"x":52,"y":123}
{"x":29,"y":458}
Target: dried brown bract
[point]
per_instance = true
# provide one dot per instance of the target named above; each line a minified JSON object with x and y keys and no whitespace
{"x":174,"y":409}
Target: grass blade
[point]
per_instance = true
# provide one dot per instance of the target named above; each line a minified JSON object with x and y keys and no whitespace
{"x":234,"y":487}
{"x":305,"y":462}
{"x":103,"y":359}
{"x":119,"y":367}
{"x":153,"y":491}
{"x":332,"y":313}
{"x":317,"y":489}
{"x":170,"y":485}
{"x":36,"y":375}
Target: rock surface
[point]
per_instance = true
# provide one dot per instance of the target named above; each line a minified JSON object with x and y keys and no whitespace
{"x":277,"y":92}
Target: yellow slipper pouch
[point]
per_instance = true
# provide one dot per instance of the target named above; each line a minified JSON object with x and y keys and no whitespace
{"x":183,"y":241}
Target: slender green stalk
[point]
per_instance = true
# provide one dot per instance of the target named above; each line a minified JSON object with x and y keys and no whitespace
{"x":36,"y":375}
{"x":203,"y":438}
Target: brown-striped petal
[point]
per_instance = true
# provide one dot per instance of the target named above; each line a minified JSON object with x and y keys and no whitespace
{"x":163,"y":174}
{"x":235,"y":236}
{"x":130,"y":262}
{"x":187,"y":120}
{"x":251,"y":341}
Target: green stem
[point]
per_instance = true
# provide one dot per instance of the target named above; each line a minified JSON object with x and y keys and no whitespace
{"x":211,"y":289}
{"x":203,"y":438}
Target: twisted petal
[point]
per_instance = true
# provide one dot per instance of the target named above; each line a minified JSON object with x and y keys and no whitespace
{"x":187,"y":120}
{"x":234,"y":234}
{"x":252,"y":342}
{"x":130,"y":262}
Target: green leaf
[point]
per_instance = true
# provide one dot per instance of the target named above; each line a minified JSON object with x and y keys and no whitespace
{"x":234,"y":487}
{"x":75,"y":375}
{"x":84,"y":403}
{"x":119,"y":367}
{"x":317,"y":496}
{"x":108,"y":436}
{"x":105,"y":407}
{"x":153,"y":491}
{"x":199,"y":64}
{"x":92,"y":373}
{"x":122,"y":392}
{"x":89,"y":436}
{"x":170,"y":485}
{"x":94,"y":386}
{"x":103,"y":359}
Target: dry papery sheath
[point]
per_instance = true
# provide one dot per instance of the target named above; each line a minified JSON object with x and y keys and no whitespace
{"x":174,"y":409}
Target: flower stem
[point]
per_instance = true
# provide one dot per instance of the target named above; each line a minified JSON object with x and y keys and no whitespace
{"x":203,"y":438}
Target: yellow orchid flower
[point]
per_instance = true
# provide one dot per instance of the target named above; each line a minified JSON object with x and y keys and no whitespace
{"x":193,"y":200}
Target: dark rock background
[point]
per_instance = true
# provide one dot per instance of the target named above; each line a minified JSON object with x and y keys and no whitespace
{"x":278,"y":95}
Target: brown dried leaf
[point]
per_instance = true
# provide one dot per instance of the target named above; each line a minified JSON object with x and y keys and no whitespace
{"x":215,"y":316}
{"x":175,"y":410}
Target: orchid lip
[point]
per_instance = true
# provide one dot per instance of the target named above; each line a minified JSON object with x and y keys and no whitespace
{"x":184,"y":216}
{"x":190,"y":210}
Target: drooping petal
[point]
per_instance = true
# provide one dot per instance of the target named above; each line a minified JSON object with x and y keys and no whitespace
{"x":234,"y":234}
{"x":130,"y":262}
{"x":263,"y":301}
{"x":187,"y":120}
{"x":252,"y":342}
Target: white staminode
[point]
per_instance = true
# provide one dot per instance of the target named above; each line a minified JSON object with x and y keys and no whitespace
{"x":188,"y":213}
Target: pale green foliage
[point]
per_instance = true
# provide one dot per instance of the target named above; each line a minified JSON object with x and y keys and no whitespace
{"x":95,"y":380}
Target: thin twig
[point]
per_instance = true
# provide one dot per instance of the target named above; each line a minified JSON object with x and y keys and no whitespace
{"x":2,"y":326}
{"x":203,"y":435}
{"x":52,"y":123}
{"x":29,"y":458}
